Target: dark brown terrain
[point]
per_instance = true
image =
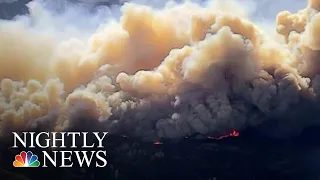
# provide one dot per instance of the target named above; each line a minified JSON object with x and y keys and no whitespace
{"x":249,"y":156}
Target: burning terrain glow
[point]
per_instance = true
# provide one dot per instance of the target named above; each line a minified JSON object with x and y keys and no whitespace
{"x":164,"y":73}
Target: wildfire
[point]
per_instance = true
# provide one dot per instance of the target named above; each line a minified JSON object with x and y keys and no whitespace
{"x":157,"y":143}
{"x":233,"y":133}
{"x":124,"y":136}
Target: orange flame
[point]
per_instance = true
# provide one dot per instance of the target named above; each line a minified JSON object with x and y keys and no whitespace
{"x":231,"y":134}
{"x":157,"y":143}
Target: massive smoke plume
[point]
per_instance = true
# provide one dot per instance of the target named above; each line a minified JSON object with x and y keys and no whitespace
{"x":161,"y":73}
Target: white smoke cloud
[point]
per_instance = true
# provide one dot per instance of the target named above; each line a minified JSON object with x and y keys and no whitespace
{"x":158,"y":72}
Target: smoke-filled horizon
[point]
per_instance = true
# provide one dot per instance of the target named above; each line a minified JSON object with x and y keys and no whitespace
{"x":164,"y":72}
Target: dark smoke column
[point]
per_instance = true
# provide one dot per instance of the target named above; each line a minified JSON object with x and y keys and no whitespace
{"x":11,"y":8}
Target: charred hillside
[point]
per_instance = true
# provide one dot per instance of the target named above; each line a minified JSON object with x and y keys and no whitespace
{"x":248,"y":156}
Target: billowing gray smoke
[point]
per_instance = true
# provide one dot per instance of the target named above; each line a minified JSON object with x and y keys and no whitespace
{"x":164,"y":73}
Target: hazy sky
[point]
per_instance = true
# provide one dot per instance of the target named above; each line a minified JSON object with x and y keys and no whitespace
{"x":270,"y":8}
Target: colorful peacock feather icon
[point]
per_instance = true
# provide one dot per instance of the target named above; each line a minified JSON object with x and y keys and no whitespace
{"x":26,"y":160}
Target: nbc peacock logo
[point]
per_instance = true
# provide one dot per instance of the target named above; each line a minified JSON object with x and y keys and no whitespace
{"x":26,"y":160}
